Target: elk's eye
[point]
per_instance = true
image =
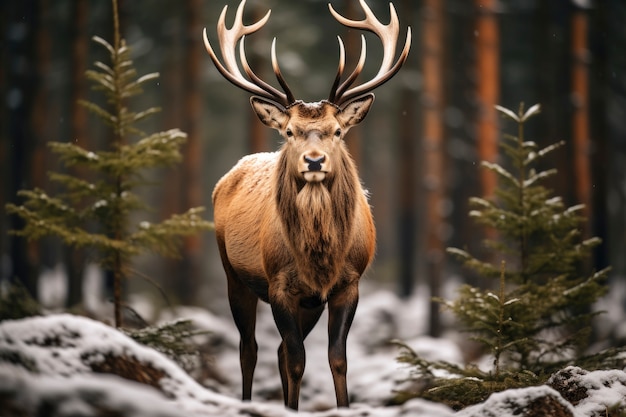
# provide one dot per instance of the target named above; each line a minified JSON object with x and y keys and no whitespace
{"x":338,"y":132}
{"x":289,"y":133}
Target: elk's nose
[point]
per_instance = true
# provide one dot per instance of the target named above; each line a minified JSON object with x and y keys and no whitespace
{"x":314,"y":163}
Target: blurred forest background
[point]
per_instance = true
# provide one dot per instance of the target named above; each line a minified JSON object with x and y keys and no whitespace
{"x":418,"y":151}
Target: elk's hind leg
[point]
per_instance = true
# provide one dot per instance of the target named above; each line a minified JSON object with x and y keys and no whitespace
{"x":243,"y":303}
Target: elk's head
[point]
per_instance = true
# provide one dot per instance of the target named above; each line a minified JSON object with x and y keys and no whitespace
{"x":313,"y":131}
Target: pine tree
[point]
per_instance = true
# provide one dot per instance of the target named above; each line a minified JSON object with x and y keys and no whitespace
{"x":94,"y":210}
{"x":540,"y":318}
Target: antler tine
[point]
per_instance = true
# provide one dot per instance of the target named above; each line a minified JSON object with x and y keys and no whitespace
{"x":388,"y":34}
{"x":228,"y":39}
{"x":338,"y":91}
{"x":255,"y":78}
{"x":279,"y":75}
{"x":340,"y":68}
{"x":258,"y":81}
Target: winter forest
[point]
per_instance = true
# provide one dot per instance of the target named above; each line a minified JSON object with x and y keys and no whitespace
{"x":495,"y":165}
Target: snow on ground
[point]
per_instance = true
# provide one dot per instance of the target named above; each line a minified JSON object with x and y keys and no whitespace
{"x":46,"y":367}
{"x":50,"y":362}
{"x":373,"y":372}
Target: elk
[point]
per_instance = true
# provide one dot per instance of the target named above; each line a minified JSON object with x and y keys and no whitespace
{"x":294,"y":227}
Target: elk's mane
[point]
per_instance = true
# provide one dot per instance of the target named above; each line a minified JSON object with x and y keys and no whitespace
{"x":317,"y":219}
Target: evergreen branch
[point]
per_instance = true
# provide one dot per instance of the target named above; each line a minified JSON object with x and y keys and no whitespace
{"x":533,"y":156}
{"x":158,"y":149}
{"x":124,"y":50}
{"x":104,"y":81}
{"x":104,"y":43}
{"x":538,"y":177}
{"x":501,"y":172}
{"x":104,"y":67}
{"x":39,"y":209}
{"x":174,"y":339}
{"x":161,"y":237}
{"x":584,"y":286}
{"x":587,"y":244}
{"x":533,"y":110}
{"x":507,"y":113}
{"x":39,"y":225}
{"x":461,"y":254}
{"x":550,"y":148}
{"x":135,"y":86}
{"x":142,"y":115}
{"x":104,"y":115}
{"x":78,"y":188}
{"x":481,"y":202}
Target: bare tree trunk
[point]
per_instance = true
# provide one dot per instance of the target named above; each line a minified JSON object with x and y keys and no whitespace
{"x":4,"y":143}
{"x":408,"y":211}
{"x":189,"y":277}
{"x":78,"y":135}
{"x":407,"y":187}
{"x":173,"y":95}
{"x":487,"y":43}
{"x":488,"y":88}
{"x":580,"y":116}
{"x":600,"y":134}
{"x":23,"y":80}
{"x":39,"y":115}
{"x":434,"y":149}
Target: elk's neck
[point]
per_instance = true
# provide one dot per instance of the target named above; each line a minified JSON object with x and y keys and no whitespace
{"x":317,"y":220}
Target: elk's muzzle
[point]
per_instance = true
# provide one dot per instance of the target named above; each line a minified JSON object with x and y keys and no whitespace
{"x":314,"y":166}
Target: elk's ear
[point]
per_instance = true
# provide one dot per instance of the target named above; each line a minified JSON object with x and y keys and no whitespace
{"x":355,"y":111}
{"x":271,"y":114}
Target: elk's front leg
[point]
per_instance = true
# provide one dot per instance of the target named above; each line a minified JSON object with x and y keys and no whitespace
{"x":341,"y":308}
{"x":291,"y":352}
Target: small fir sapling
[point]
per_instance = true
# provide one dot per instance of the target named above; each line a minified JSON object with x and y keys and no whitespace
{"x":94,"y":210}
{"x":539,"y":319}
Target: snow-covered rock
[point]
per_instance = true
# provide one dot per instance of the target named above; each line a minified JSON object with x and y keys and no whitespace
{"x":592,"y":393}
{"x":64,"y":365}
{"x":523,"y":402}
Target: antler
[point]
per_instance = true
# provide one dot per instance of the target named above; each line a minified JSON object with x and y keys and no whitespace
{"x":228,"y":39}
{"x":388,"y":34}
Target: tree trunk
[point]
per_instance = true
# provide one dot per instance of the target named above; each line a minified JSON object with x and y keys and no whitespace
{"x":488,"y":89}
{"x":5,"y":148}
{"x":78,"y":135}
{"x":23,"y":81}
{"x":433,"y":149}
{"x":172,"y":99}
{"x":408,"y":211}
{"x":189,"y":277}
{"x":580,"y":113}
{"x":598,"y":109}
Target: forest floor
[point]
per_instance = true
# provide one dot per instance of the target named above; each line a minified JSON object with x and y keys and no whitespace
{"x":65,"y":365}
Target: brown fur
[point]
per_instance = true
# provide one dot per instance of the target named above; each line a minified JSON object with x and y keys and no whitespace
{"x":317,"y":220}
{"x":293,"y":243}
